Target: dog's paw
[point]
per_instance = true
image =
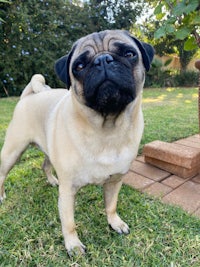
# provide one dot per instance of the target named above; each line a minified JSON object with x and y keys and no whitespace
{"x":75,"y":247}
{"x":118,"y":225}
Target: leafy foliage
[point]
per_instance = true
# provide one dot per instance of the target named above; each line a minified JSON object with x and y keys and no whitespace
{"x":180,"y":19}
{"x":36,"y":33}
{"x":33,"y":34}
{"x":31,"y":39}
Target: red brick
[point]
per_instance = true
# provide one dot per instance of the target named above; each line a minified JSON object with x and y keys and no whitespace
{"x":136,"y":181}
{"x":178,"y":159}
{"x":173,"y":168}
{"x":149,"y":171}
{"x":172,"y":153}
{"x":158,"y":189}
{"x":173,"y":181}
{"x":186,"y":196}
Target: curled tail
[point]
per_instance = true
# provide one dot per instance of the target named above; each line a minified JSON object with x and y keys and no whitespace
{"x":36,"y":85}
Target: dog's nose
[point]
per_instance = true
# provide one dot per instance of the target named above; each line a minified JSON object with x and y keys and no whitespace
{"x":103,"y":60}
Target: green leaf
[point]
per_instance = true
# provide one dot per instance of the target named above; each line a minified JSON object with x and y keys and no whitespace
{"x":160,"y":33}
{"x":1,"y":20}
{"x":160,"y":16}
{"x":187,"y":20}
{"x":184,"y":8}
{"x":190,"y":44}
{"x":182,"y":33}
{"x":5,"y":1}
{"x":192,"y":5}
{"x":167,"y":62}
{"x":196,"y":20}
{"x":179,"y":9}
{"x":170,"y":28}
{"x":158,"y":9}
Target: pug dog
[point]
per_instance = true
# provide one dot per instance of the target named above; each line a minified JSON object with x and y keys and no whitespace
{"x":89,"y":134}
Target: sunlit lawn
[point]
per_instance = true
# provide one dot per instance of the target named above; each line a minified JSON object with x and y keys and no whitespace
{"x":170,"y":114}
{"x":161,"y":235}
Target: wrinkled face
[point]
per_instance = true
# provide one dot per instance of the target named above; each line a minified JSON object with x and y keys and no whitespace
{"x":106,"y":71}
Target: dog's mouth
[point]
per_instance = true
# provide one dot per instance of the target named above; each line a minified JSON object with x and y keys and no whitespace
{"x":109,"y":98}
{"x":108,"y":82}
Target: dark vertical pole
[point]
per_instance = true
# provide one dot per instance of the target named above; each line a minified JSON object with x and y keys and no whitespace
{"x":197,"y":65}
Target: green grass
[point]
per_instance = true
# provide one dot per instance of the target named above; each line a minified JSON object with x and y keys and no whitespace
{"x":161,"y":235}
{"x":170,"y":114}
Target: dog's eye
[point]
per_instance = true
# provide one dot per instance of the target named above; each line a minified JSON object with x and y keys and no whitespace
{"x":130,"y":54}
{"x":80,"y":66}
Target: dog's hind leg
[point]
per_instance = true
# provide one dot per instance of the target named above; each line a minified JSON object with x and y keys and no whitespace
{"x":9,"y":156}
{"x":47,"y":168}
{"x":13,"y":147}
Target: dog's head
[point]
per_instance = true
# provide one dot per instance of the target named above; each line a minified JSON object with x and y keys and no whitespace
{"x":106,"y":70}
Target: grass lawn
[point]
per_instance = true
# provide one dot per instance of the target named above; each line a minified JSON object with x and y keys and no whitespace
{"x":161,"y":235}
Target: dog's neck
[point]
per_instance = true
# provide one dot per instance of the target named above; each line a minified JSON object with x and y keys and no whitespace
{"x":96,"y":120}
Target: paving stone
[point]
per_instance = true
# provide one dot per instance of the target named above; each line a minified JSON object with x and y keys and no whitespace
{"x":140,"y":158}
{"x":178,"y":159}
{"x":148,"y":171}
{"x":197,"y":213}
{"x":173,"y":181}
{"x":186,"y":196}
{"x":194,"y":138}
{"x":158,"y":189}
{"x":196,"y":179}
{"x":136,"y":181}
{"x":188,"y":143}
{"x":174,"y":189}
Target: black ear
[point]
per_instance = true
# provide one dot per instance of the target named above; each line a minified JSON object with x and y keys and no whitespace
{"x":147,"y":52}
{"x":62,"y":68}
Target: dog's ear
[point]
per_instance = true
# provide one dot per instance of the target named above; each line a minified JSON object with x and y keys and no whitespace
{"x":62,"y":68}
{"x":147,"y":52}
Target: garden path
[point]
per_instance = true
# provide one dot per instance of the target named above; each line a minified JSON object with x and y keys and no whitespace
{"x":170,"y":188}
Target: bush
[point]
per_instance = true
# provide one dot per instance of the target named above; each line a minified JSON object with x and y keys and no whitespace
{"x":186,"y":78}
{"x":159,"y":76}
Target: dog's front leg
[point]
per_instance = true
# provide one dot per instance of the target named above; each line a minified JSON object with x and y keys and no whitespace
{"x":66,"y":210}
{"x":111,"y":191}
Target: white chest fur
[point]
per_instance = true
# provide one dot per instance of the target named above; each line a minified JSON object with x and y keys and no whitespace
{"x":97,"y":169}
{"x":95,"y":149}
{"x":104,"y":155}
